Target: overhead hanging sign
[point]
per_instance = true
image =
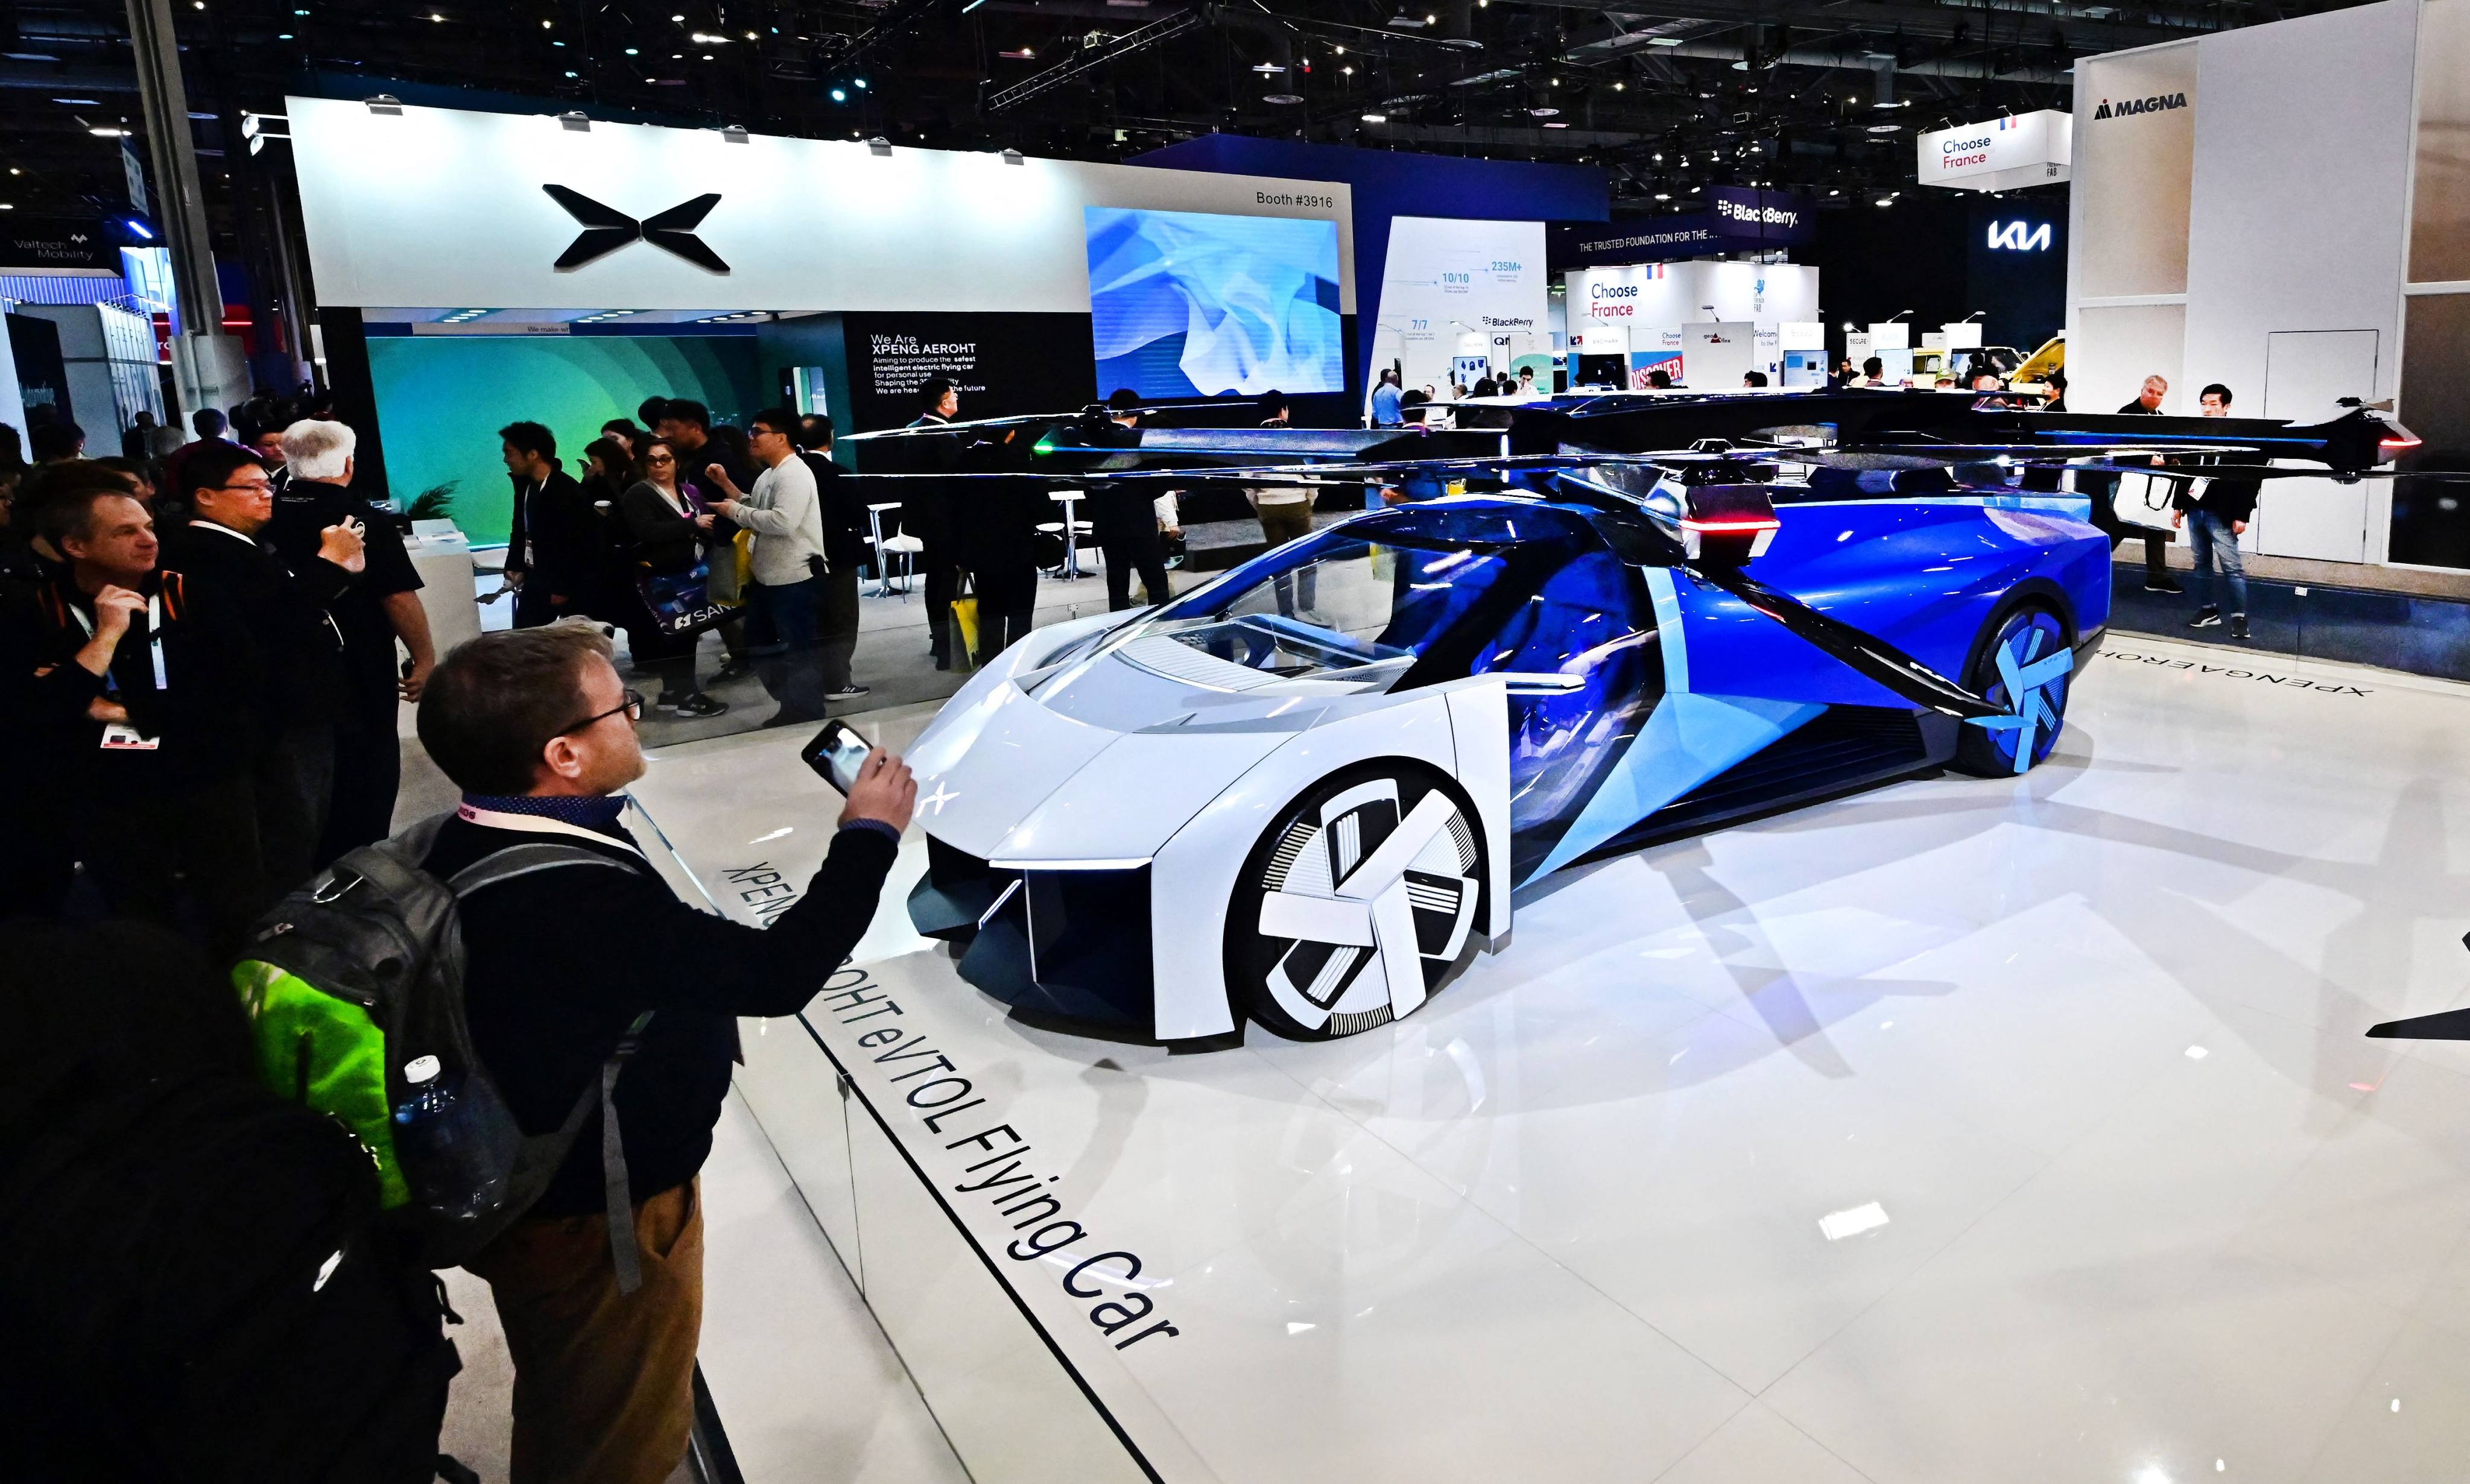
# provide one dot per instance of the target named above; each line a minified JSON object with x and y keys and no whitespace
{"x":1736,"y":219}
{"x":2002,"y":155}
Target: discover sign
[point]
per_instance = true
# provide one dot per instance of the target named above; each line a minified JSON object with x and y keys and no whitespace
{"x":2003,"y":155}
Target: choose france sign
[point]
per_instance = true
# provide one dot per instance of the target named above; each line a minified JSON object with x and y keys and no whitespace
{"x":2002,"y":155}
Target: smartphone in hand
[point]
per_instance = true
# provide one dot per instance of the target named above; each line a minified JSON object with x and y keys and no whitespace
{"x":835,"y":753}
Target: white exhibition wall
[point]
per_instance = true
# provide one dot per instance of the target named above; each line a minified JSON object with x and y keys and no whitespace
{"x":2239,"y":214}
{"x":1454,"y":288}
{"x":440,"y":207}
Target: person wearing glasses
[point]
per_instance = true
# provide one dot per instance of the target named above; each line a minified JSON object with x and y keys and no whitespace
{"x":535,"y":728}
{"x":665,"y":520}
{"x":281,"y":679}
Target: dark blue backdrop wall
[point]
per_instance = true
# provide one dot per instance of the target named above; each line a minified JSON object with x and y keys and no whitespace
{"x":1931,"y":253}
{"x":1388,"y":183}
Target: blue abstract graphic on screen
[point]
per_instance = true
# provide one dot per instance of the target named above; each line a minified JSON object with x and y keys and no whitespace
{"x":1188,"y":304}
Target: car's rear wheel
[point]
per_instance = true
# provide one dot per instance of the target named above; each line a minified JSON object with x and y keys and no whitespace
{"x":2019,"y":669}
{"x":1360,"y":902}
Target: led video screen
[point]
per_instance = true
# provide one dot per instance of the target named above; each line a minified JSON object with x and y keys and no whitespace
{"x":1189,"y":304}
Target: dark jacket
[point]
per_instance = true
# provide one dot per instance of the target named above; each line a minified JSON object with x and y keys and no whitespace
{"x":302,"y":511}
{"x":664,"y":540}
{"x":546,"y":1007}
{"x":2223,"y":499}
{"x":200,"y":715}
{"x":926,"y":505}
{"x":557,"y":539}
{"x":844,"y":513}
{"x":2138,"y":408}
{"x":290,"y":642}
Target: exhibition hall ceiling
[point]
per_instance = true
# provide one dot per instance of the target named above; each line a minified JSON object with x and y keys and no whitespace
{"x":1669,"y":95}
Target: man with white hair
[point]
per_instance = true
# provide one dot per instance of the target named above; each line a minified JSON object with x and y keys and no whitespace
{"x":382,"y":606}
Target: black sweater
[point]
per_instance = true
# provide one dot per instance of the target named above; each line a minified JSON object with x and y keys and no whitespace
{"x":561,"y":962}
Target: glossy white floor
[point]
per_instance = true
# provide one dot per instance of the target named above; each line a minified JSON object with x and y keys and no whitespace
{"x":1962,"y":1131}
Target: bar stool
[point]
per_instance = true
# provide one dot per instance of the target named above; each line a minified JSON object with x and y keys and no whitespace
{"x":906,"y":547}
{"x":1071,"y":529}
{"x":874,"y":538}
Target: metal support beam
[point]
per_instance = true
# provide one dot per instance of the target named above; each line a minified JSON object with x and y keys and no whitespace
{"x":1094,"y":57}
{"x":206,"y":362}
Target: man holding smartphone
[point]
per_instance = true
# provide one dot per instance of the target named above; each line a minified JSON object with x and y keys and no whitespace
{"x":538,"y":730}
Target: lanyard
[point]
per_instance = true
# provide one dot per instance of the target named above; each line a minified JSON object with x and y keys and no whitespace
{"x":499,"y":819}
{"x":155,"y":628}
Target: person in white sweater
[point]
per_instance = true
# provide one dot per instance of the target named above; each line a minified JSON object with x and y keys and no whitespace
{"x":787,"y":563}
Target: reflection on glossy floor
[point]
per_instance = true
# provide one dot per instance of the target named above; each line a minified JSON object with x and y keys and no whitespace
{"x":1962,"y":1130}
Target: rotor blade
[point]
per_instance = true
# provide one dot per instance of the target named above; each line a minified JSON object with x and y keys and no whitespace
{"x":940,"y":430}
{"x":1864,"y":652}
{"x":2442,"y":1026}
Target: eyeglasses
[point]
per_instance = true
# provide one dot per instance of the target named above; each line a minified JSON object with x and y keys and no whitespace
{"x":659,"y":459}
{"x":261,"y":486}
{"x":632,"y":705}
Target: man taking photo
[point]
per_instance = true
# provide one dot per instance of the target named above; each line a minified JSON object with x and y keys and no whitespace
{"x":535,"y":728}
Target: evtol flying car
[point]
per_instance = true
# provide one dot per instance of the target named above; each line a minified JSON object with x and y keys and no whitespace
{"x":1304,"y":793}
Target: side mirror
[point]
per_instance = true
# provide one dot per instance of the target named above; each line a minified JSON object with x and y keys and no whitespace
{"x":1727,"y":525}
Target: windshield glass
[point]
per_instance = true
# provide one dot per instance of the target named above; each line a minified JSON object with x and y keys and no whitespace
{"x":1361,"y":604}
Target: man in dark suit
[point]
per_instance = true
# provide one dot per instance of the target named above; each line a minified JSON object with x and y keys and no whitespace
{"x":844,"y":551}
{"x":926,"y":513}
{"x":282,"y":676}
{"x":556,"y":549}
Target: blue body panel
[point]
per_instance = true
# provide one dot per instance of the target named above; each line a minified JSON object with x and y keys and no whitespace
{"x":1923,"y":573}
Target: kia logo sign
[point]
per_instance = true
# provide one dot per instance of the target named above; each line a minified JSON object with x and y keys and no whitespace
{"x":606,"y":229}
{"x":2019,"y":237}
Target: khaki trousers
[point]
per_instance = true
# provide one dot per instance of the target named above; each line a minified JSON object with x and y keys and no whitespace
{"x":604,"y":1382}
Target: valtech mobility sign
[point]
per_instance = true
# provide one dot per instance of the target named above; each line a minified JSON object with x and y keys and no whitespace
{"x":2004,"y":153}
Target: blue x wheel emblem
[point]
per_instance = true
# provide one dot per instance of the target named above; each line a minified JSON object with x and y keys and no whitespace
{"x":2027,"y":678}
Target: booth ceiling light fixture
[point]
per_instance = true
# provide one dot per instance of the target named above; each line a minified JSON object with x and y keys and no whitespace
{"x":1543,"y":113}
{"x":574,"y":120}
{"x":1555,"y":124}
{"x":1283,"y":99}
{"x":838,"y":96}
{"x":106,"y":131}
{"x":1886,"y":128}
{"x":1376,"y":118}
{"x":879,"y":144}
{"x":386,"y":103}
{"x":80,"y":103}
{"x":1015,"y":157}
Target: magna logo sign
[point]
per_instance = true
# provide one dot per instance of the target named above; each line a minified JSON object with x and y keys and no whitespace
{"x":2019,"y":237}
{"x":2161,"y":104}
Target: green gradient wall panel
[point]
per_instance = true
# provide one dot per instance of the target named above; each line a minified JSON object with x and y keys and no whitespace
{"x":441,"y":400}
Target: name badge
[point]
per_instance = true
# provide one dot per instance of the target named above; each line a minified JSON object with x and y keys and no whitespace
{"x":118,"y":738}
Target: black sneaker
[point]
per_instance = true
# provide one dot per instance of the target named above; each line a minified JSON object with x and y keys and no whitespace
{"x":845,"y":693}
{"x":2162,"y":585}
{"x":732,"y":669}
{"x":2208,"y":617}
{"x":698,"y":705}
{"x":2238,"y":626}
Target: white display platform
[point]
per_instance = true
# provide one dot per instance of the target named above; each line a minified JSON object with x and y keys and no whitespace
{"x":1960,"y":1131}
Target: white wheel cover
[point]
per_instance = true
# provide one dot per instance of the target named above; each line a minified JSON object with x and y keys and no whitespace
{"x":1356,"y":923}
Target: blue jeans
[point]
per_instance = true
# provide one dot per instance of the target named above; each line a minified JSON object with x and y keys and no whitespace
{"x":781,"y":639}
{"x":2213,"y":541}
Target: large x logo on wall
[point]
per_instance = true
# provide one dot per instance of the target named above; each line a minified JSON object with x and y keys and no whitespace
{"x":606,"y":229}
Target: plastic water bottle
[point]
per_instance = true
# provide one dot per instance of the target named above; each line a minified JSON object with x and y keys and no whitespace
{"x":443,"y":1146}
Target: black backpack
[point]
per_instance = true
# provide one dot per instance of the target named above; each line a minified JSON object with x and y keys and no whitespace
{"x":198,"y":1286}
{"x":354,"y":989}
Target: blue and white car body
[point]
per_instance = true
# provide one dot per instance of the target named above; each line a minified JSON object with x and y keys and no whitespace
{"x":1305,"y":792}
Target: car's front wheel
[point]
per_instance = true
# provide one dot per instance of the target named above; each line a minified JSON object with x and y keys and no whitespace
{"x":2025,"y":667}
{"x":1359,"y":903}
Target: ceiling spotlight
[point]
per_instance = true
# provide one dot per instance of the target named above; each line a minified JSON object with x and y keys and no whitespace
{"x":386,"y":104}
{"x":1268,"y":69}
{"x":1884,"y":200}
{"x":839,"y":96}
{"x":1283,"y":100}
{"x":1347,"y":70}
{"x":1342,"y":51}
{"x":1543,"y":113}
{"x":106,"y":131}
{"x":1408,"y":22}
{"x":1664,"y":195}
{"x":1886,"y":128}
{"x":861,"y":83}
{"x":1015,"y":157}
{"x":879,"y":144}
{"x":1617,"y":86}
{"x":1376,"y":118}
{"x":1556,"y":123}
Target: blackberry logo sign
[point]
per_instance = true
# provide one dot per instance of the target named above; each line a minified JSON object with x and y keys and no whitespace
{"x":2156,"y":105}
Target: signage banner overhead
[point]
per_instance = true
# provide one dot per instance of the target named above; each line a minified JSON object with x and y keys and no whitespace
{"x":443,"y":207}
{"x":1736,"y":219}
{"x":2001,"y":154}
